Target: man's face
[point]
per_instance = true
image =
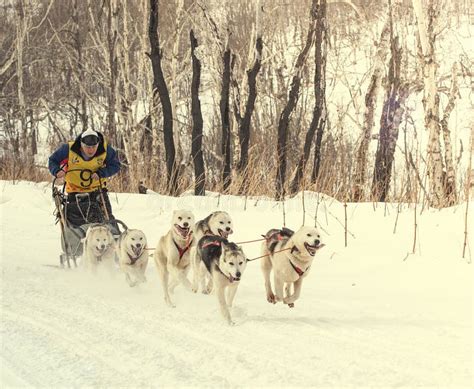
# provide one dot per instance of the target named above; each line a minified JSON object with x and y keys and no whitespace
{"x":89,"y":151}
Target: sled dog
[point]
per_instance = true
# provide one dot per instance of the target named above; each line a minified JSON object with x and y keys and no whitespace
{"x":99,"y":248}
{"x":290,"y":255}
{"x":133,"y":256}
{"x":217,"y":223}
{"x":172,"y":254}
{"x":224,"y":262}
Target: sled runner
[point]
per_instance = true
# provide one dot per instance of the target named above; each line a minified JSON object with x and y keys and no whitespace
{"x":75,"y":212}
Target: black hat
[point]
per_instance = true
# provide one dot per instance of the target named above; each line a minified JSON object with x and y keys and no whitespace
{"x":90,"y":138}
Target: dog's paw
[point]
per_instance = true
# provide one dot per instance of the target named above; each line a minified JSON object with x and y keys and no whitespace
{"x":194,"y":290}
{"x":271,"y":298}
{"x":291,"y":305}
{"x":206,"y":291}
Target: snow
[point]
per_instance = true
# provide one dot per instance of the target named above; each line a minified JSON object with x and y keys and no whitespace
{"x":370,"y":315}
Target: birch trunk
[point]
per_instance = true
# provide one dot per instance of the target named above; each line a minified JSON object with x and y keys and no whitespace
{"x":426,"y":21}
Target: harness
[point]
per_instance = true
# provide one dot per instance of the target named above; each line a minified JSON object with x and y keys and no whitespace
{"x":211,"y":243}
{"x":183,"y":250}
{"x":297,"y":269}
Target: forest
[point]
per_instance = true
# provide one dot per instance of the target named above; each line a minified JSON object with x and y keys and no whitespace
{"x":362,"y":100}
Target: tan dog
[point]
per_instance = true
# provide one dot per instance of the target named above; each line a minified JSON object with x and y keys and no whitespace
{"x":99,"y":248}
{"x":290,"y":256}
{"x":172,"y":254}
{"x":133,"y":256}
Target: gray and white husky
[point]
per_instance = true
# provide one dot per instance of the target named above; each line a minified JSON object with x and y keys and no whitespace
{"x":290,"y":256}
{"x":133,"y":256}
{"x":218,"y":223}
{"x":225,"y":263}
{"x":172,"y":254}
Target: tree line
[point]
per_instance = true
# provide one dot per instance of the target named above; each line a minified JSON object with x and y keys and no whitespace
{"x":240,"y":97}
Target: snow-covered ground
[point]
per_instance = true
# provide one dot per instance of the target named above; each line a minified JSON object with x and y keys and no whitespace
{"x":369,"y":315}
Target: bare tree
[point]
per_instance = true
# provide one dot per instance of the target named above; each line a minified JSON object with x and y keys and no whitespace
{"x":319,"y":111}
{"x":370,"y":105}
{"x":426,"y":24}
{"x":196,"y":145}
{"x":291,"y":104}
{"x":244,"y":128}
{"x":159,"y":86}
{"x":396,"y":94}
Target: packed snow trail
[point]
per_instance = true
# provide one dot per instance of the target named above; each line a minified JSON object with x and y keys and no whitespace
{"x":365,"y":316}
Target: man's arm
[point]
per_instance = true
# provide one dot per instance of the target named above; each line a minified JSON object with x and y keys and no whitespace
{"x":112,"y":164}
{"x":58,"y":158}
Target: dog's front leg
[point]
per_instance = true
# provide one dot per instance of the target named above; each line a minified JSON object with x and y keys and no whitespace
{"x":296,"y":294}
{"x":278,"y":288}
{"x":164,"y":281}
{"x":220,"y":291}
{"x":266,"y":266}
{"x":208,"y":288}
{"x":231,"y":291}
{"x":195,"y":267}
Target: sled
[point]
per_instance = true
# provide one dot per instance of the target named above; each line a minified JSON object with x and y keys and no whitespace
{"x":75,"y":217}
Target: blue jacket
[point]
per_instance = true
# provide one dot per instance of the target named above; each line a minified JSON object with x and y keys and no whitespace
{"x":60,"y":157}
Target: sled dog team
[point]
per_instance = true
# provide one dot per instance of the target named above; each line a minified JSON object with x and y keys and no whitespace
{"x":217,"y":263}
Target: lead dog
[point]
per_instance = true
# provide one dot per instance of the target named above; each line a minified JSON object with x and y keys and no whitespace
{"x":290,"y":256}
{"x":172,"y":254}
{"x":224,"y":262}
{"x":218,"y":223}
{"x":133,"y":256}
{"x":99,"y":248}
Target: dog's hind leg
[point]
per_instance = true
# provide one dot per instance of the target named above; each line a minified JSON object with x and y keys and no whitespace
{"x":195,"y":266}
{"x":266,"y":266}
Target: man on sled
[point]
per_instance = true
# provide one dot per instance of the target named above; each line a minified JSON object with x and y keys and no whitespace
{"x":84,"y":164}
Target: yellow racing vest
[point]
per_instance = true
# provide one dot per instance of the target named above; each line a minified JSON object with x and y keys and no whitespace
{"x":79,"y":176}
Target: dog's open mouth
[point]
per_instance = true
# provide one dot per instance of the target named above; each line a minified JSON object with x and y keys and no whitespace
{"x":223,"y":233}
{"x":312,"y":249}
{"x":101,"y":250}
{"x":183,"y":231}
{"x":136,"y":251}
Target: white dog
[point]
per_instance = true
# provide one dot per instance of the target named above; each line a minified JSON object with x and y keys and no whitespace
{"x":172,"y":254}
{"x":99,"y":248}
{"x":225,"y":263}
{"x":217,"y":223}
{"x":290,"y":255}
{"x":133,"y":256}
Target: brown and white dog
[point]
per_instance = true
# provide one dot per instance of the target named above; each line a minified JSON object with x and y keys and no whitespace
{"x":172,"y":254}
{"x":290,"y":256}
{"x":133,"y":256}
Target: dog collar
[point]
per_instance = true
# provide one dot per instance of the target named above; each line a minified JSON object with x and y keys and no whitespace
{"x":229,"y":278}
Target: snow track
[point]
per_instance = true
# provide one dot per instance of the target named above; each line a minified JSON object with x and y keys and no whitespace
{"x":360,"y":321}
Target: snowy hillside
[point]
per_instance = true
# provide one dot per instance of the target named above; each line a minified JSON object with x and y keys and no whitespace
{"x":369,"y":315}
